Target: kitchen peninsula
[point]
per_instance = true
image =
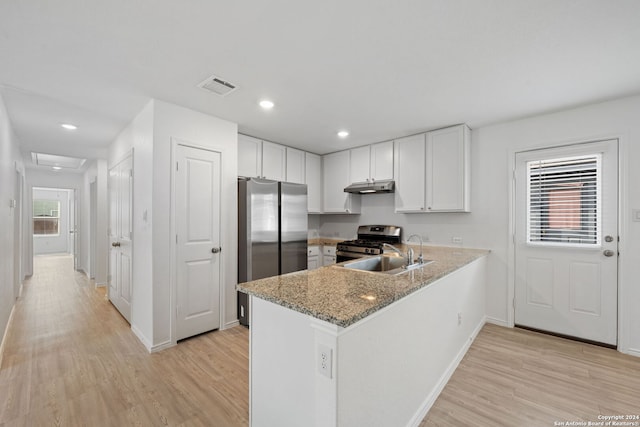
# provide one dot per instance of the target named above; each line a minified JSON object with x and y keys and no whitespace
{"x":341,"y":347}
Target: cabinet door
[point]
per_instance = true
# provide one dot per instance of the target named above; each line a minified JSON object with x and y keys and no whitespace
{"x":313,"y":179}
{"x":328,"y":259}
{"x":249,"y":156}
{"x":359,"y":164}
{"x":274,"y":161}
{"x":312,"y":262}
{"x":295,"y":166}
{"x":382,"y":161}
{"x":409,"y":173}
{"x":447,"y":169}
{"x":335,"y":173}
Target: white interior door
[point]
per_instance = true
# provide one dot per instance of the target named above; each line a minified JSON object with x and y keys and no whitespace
{"x":566,"y":240}
{"x":198,"y":252}
{"x":120,"y":236}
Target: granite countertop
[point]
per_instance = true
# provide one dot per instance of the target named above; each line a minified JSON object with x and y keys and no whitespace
{"x":344,"y":296}
{"x":324,"y":241}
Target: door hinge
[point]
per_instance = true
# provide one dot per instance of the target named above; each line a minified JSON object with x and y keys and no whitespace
{"x":513,"y":174}
{"x":513,"y":303}
{"x":176,"y":239}
{"x":177,"y":166}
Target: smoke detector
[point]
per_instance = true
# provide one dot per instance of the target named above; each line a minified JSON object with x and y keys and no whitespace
{"x":217,"y":85}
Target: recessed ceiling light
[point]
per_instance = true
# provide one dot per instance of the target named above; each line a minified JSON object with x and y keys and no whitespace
{"x":69,"y":126}
{"x":56,"y":168}
{"x":343,"y":134}
{"x":266,"y":104}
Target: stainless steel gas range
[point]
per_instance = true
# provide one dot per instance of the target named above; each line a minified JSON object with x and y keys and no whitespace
{"x":370,"y":241}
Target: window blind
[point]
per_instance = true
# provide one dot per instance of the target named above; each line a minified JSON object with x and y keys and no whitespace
{"x":564,"y":200}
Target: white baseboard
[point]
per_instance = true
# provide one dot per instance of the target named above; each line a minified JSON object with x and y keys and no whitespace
{"x":446,"y":376}
{"x":496,"y":321}
{"x":145,"y":342}
{"x":230,"y":325}
{"x":631,"y":352}
{"x":6,"y":331}
{"x":162,"y":346}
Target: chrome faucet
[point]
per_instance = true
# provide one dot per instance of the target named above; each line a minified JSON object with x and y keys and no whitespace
{"x":420,"y":259}
{"x":408,"y":256}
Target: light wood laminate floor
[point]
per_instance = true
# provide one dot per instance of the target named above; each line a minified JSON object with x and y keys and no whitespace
{"x":71,"y":359}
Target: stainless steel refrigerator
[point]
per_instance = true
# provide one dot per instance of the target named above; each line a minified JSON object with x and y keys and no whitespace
{"x":272,"y":232}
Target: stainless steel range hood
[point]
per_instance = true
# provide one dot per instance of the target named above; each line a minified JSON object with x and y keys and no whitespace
{"x":371,"y":187}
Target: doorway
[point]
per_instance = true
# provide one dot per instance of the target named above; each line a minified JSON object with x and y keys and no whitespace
{"x":54,"y":221}
{"x":566,"y":240}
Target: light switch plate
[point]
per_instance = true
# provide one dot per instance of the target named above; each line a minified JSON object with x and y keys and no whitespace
{"x":635,"y":215}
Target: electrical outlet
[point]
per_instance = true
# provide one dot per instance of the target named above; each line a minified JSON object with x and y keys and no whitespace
{"x":325,"y":360}
{"x":425,"y":238}
{"x":457,"y":240}
{"x":459,"y":319}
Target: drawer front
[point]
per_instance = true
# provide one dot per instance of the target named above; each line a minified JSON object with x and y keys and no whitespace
{"x":313,"y":251}
{"x":329,"y":250}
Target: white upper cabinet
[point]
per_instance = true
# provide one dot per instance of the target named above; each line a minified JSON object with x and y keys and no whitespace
{"x":432,"y":171}
{"x":249,"y":156}
{"x":372,"y":162}
{"x":336,"y":176}
{"x":409,"y":158}
{"x":313,"y":179}
{"x":447,"y":169}
{"x":261,"y":159}
{"x":295,"y":166}
{"x":382,"y":161}
{"x":274,"y":161}
{"x":359,"y":164}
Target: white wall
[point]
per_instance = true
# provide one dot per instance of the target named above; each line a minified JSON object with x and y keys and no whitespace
{"x":150,"y":135}
{"x":487,"y":226}
{"x":50,"y":244}
{"x":178,"y":123}
{"x":10,"y":162}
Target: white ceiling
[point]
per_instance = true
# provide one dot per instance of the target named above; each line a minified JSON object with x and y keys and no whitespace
{"x":380,"y":69}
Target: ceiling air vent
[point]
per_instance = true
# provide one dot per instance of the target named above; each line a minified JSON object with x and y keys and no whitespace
{"x":217,"y":85}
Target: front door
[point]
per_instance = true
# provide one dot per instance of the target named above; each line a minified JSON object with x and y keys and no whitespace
{"x":566,"y":241}
{"x":120,"y":236}
{"x":198,"y":252}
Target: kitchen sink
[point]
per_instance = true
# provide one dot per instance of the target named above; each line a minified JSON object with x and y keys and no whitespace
{"x":385,"y":264}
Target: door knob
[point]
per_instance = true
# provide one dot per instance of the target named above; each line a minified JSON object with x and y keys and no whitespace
{"x":608,"y":239}
{"x":115,"y":244}
{"x":608,"y":252}
{"x":216,"y":250}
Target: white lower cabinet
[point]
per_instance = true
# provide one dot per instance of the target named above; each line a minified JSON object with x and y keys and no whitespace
{"x":313,"y":257}
{"x":328,"y":255}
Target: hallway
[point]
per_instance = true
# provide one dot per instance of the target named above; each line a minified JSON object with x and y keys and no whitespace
{"x":71,"y":359}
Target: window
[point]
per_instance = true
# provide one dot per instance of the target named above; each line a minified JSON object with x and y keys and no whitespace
{"x":46,"y":217}
{"x":564,"y":201}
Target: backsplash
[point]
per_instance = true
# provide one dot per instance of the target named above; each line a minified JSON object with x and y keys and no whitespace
{"x":434,"y":228}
